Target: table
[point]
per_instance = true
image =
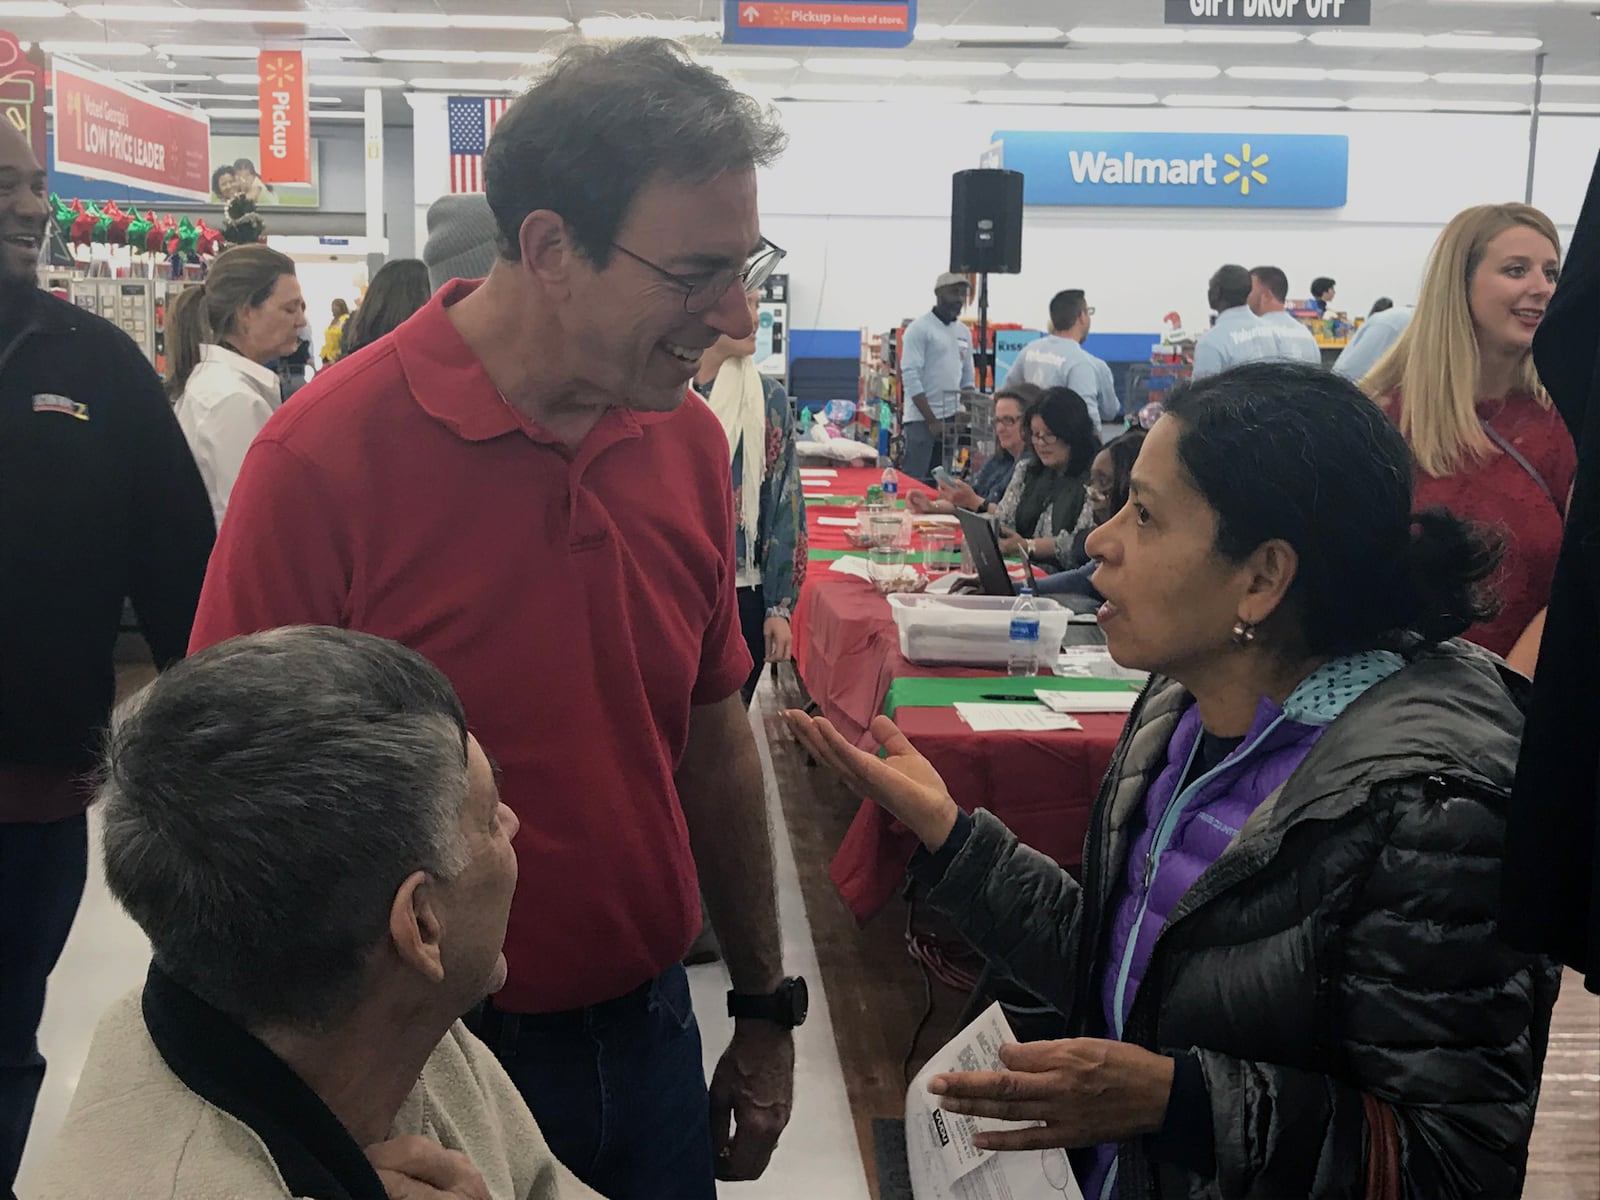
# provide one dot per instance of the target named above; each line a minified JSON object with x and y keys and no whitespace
{"x":847,"y":651}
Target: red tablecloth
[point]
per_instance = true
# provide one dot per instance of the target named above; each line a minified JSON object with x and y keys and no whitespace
{"x":848,"y":653}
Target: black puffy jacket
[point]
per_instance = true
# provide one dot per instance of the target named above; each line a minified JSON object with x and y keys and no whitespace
{"x":1344,"y":943}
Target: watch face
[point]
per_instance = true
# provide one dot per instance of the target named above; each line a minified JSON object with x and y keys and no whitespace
{"x":799,"y":1001}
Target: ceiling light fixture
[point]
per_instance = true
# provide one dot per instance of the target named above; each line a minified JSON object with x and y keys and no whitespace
{"x":466,"y":57}
{"x":1565,"y":108}
{"x":1296,"y":102}
{"x":37,"y":9}
{"x":100,"y":49}
{"x":1478,"y":41}
{"x":884,"y":68}
{"x":1166,"y":71}
{"x":1039,"y":97}
{"x":630,"y":27}
{"x":747,"y":62}
{"x":470,"y":85}
{"x":1279,"y":74}
{"x":239,"y":51}
{"x":161,"y":77}
{"x":1364,"y":76}
{"x":1342,"y":39}
{"x":329,"y":81}
{"x":1065,"y":70}
{"x":1242,"y":37}
{"x":865,"y":94}
{"x":1572,"y":81}
{"x":987,"y":33}
{"x":1483,"y":106}
{"x":1486,"y":78}
{"x":1098,"y":35}
{"x":1200,"y":100}
{"x":1390,"y":104}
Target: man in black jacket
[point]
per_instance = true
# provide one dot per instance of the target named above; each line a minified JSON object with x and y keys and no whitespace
{"x":100,"y":499}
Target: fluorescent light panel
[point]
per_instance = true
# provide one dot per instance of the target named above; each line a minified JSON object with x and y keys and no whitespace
{"x":1484,"y":78}
{"x":1100,"y":35}
{"x":629,"y":27}
{"x":1035,"y":96}
{"x":1390,"y":104}
{"x":1572,"y":81}
{"x":348,"y":18}
{"x":1365,"y":76}
{"x":987,"y":33}
{"x":895,"y":68}
{"x":100,"y":49}
{"x":1201,"y":100}
{"x":34,"y":9}
{"x":748,"y":62}
{"x":467,"y":57}
{"x":161,"y":77}
{"x":319,"y":80}
{"x":1564,"y":108}
{"x":469,"y":85}
{"x":866,"y":94}
{"x":1242,"y":37}
{"x":234,"y":51}
{"x":1296,"y":102}
{"x":1279,"y":74}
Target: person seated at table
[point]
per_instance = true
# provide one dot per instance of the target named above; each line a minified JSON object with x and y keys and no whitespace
{"x":989,"y":485}
{"x":1283,"y":956}
{"x":1046,"y":505}
{"x":1110,"y":478}
{"x":317,"y":850}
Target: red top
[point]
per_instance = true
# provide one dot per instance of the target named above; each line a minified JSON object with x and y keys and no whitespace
{"x":1499,"y":493}
{"x":580,"y":603}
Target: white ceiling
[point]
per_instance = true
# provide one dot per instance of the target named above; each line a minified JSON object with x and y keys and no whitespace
{"x":470,"y":45}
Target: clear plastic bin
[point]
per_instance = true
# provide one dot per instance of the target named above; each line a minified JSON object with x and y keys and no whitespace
{"x":970,"y":631}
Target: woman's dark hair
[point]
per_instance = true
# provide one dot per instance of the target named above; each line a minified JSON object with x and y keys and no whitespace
{"x":240,"y":277}
{"x":1124,"y":453}
{"x":1381,"y":304}
{"x":216,"y":178}
{"x":398,"y":289}
{"x":1066,"y":415}
{"x":1290,"y":451}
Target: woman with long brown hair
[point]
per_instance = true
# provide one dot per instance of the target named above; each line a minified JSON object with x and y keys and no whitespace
{"x":220,"y":336}
{"x":1461,"y":385}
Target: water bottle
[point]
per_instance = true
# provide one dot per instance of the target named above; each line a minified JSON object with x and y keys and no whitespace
{"x":891,"y":486}
{"x":1022,"y":655}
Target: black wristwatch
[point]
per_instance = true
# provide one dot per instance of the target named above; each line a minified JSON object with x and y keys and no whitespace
{"x":786,"y":1007}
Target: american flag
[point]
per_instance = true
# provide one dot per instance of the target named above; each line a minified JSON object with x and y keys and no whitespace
{"x":472,"y":120}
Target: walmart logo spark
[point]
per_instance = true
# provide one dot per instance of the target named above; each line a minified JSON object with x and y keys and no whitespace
{"x":1245,"y":169}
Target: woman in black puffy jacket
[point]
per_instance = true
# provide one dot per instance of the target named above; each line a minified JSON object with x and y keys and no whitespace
{"x":1283,"y":959}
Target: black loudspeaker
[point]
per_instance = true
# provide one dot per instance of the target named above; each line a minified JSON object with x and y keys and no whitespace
{"x":986,"y":222}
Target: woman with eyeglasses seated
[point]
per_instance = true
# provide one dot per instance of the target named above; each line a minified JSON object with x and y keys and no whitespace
{"x":989,"y":485}
{"x":1110,"y":477}
{"x":1282,"y":957}
{"x":1046,"y":506}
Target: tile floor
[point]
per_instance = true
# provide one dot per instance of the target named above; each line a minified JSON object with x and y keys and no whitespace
{"x":106,"y":956}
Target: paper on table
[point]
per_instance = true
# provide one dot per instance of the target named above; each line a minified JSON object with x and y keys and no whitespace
{"x":852,"y":566}
{"x":934,"y":519}
{"x":944,"y":1163}
{"x":1089,"y":702}
{"x":840,"y":522}
{"x":990,"y":718}
{"x":818,"y":473}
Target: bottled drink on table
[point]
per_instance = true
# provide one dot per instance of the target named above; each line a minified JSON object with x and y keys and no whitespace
{"x":891,"y":485}
{"x":1023,"y":655}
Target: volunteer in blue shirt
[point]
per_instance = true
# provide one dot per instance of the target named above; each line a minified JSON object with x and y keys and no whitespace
{"x":1375,"y":338}
{"x":935,"y":366}
{"x":1239,"y":336}
{"x":1061,"y":361}
{"x":1269,"y":294}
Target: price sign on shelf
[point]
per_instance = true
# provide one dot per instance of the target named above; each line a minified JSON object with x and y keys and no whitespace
{"x":1269,"y":12}
{"x":884,"y":24}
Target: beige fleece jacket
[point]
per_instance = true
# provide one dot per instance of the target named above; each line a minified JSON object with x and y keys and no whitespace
{"x":134,"y":1131}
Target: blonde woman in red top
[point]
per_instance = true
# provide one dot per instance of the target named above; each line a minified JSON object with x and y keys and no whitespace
{"x":1461,"y":385}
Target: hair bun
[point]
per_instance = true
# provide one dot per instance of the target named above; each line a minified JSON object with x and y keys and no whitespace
{"x":1448,"y":563}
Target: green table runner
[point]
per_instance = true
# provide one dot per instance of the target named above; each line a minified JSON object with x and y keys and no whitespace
{"x":925,"y":692}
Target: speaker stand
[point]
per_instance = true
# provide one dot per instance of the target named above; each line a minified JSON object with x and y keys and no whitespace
{"x":986,"y":383}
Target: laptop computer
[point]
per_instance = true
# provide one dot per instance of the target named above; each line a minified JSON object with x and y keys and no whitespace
{"x":982,"y":538}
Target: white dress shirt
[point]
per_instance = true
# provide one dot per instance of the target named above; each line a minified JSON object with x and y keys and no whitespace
{"x":223,"y":406}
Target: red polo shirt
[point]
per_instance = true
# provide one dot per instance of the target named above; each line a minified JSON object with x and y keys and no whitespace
{"x":580,"y":603}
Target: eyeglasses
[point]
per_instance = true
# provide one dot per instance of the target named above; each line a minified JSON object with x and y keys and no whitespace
{"x":1007,"y":422}
{"x":1091,"y":310}
{"x":1045,"y":439}
{"x":700,"y":292}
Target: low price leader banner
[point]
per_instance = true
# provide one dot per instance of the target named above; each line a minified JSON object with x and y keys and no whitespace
{"x":106,"y":130}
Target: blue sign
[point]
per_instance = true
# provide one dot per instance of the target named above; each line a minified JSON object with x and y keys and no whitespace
{"x":874,"y":24}
{"x":1180,"y":170}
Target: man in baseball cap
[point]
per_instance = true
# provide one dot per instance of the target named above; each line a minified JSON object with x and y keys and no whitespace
{"x":935,"y":365}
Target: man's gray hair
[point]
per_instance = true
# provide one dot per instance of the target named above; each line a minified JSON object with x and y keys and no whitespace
{"x":263,"y":802}
{"x":603,"y":123}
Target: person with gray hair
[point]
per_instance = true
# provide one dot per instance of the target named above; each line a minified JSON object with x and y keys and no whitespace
{"x":316,"y":848}
{"x":570,"y":565}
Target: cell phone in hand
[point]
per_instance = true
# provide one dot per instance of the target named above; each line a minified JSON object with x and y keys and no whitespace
{"x":940,"y":475}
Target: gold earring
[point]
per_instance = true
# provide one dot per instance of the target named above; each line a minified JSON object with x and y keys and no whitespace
{"x":1244,"y":632}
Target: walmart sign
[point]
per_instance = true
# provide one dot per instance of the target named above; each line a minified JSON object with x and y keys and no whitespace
{"x":1177,"y":170}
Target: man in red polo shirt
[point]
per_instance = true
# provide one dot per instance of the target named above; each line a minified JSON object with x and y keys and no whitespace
{"x":517,"y":484}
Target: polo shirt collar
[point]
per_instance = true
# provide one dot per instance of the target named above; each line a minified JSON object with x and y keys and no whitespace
{"x":448,"y":381}
{"x":224,"y":1065}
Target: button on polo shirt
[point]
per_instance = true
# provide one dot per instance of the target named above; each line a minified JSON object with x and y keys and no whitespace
{"x":581,"y":602}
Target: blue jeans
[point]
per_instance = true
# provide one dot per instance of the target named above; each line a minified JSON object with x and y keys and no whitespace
{"x":618,"y":1089}
{"x":1070,"y":583}
{"x":42,"y":872}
